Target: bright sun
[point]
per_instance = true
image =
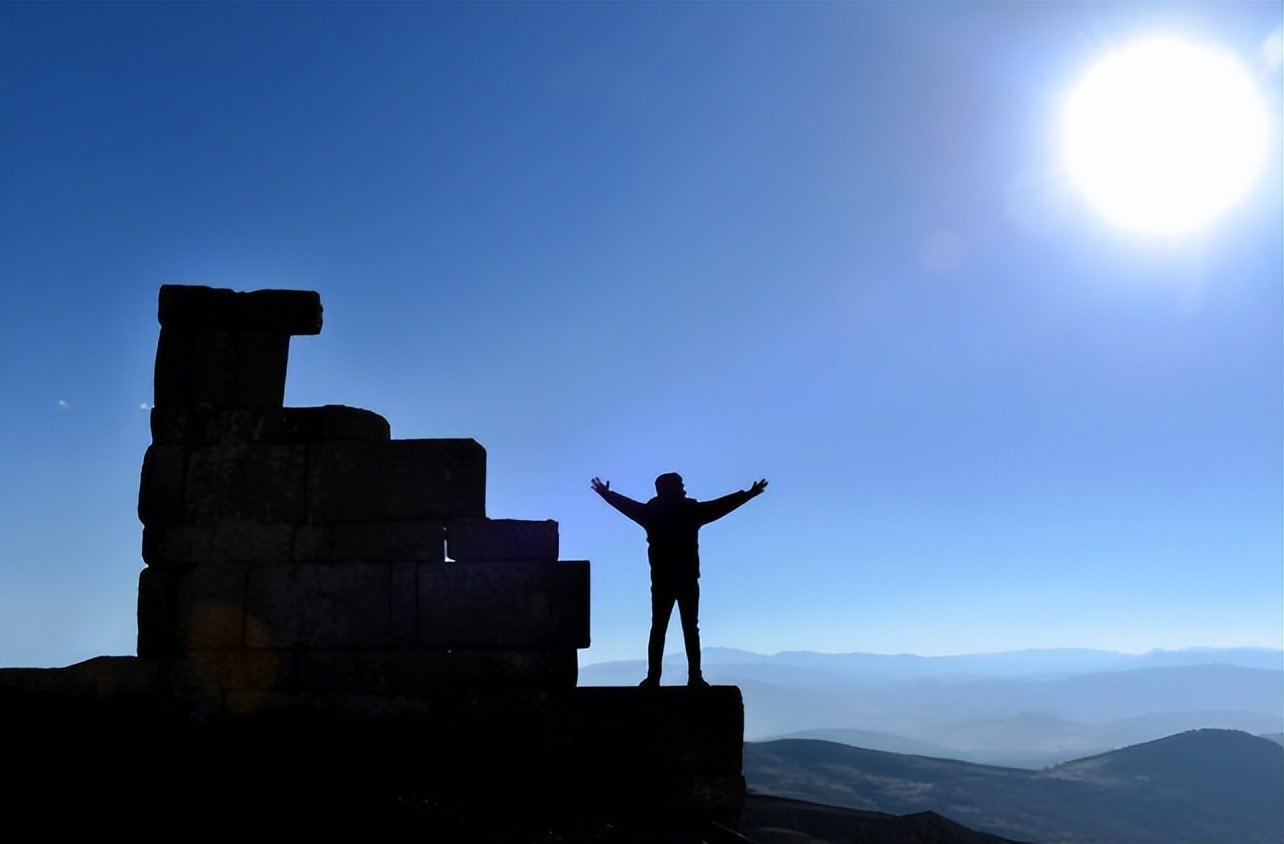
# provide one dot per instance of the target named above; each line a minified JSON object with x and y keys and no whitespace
{"x":1163,"y":136}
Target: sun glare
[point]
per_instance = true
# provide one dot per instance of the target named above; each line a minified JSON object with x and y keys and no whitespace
{"x":1164,"y":136}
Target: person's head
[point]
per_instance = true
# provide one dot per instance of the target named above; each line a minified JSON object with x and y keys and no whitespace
{"x":669,"y":485}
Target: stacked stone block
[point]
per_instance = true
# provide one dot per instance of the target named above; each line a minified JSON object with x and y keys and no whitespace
{"x":305,"y":550}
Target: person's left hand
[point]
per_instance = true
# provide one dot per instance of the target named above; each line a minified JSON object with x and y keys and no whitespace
{"x":758,"y":487}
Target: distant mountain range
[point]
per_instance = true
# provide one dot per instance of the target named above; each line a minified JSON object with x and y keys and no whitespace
{"x":1027,"y":709}
{"x":1198,"y":787}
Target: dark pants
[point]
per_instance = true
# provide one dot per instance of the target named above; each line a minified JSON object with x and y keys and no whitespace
{"x":663,"y":597}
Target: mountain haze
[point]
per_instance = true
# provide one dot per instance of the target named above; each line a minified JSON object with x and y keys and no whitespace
{"x":1025,"y":709}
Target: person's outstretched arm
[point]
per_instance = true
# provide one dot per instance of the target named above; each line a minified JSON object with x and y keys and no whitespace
{"x":719,"y":507}
{"x":635,"y":510}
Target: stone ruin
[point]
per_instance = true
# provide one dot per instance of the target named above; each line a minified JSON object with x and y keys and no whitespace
{"x":334,"y":637}
{"x":304,"y":550}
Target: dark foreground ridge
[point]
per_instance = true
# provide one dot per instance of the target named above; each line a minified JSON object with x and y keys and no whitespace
{"x":123,"y":743}
{"x":333,"y":637}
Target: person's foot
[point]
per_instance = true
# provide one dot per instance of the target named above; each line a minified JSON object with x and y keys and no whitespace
{"x":649,"y":683}
{"x":698,"y":683}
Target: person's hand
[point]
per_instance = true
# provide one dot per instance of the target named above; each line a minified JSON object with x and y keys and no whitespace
{"x":758,"y":487}
{"x":600,"y":487}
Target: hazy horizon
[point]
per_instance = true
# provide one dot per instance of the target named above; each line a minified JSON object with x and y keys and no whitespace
{"x":677,"y":654}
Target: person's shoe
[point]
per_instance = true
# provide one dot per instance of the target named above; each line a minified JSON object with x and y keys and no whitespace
{"x":698,"y":683}
{"x":649,"y":683}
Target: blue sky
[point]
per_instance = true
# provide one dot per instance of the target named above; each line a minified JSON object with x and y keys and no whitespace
{"x":827,"y":244}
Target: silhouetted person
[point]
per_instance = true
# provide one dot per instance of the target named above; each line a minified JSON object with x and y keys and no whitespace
{"x":672,"y":523}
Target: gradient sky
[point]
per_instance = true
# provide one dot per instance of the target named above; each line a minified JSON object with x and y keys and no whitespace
{"x":827,"y":244}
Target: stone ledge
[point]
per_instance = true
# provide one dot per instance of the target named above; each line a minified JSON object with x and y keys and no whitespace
{"x":314,"y":762}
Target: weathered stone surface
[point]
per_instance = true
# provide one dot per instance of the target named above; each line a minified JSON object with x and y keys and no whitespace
{"x":160,"y":490}
{"x":210,"y":426}
{"x":220,"y":368}
{"x":566,"y":760}
{"x":403,"y":605}
{"x":249,"y":673}
{"x":210,"y":609}
{"x":400,"y":480}
{"x":158,"y":635}
{"x":518,"y":604}
{"x":365,"y":671}
{"x":223,"y":349}
{"x":501,"y":539}
{"x":419,"y":541}
{"x":315,"y":606}
{"x":376,"y":671}
{"x":195,"y":306}
{"x":172,"y":373}
{"x":312,"y":544}
{"x":330,"y":423}
{"x":211,"y":366}
{"x":229,"y":541}
{"x":258,"y":483}
{"x":174,"y":424}
{"x":497,"y":669}
{"x":672,"y":727}
{"x":261,"y":358}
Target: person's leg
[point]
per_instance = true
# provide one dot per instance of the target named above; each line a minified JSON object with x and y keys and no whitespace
{"x":662,"y":599}
{"x":689,"y":612}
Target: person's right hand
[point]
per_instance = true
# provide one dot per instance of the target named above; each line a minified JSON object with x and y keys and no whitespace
{"x":600,"y":487}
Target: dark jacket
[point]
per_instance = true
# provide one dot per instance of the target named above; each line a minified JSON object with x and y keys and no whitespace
{"x":672,"y":527}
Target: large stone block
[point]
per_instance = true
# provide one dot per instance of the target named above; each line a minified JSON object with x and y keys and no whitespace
{"x":261,"y":358}
{"x":376,"y":671}
{"x":241,"y":677}
{"x":521,"y":604}
{"x":509,"y":668}
{"x":312,"y":606}
{"x":501,"y":539}
{"x":219,"y":368}
{"x":160,"y":490}
{"x":418,"y":541}
{"x":258,"y":483}
{"x":172,"y":372}
{"x":672,"y":728}
{"x":211,"y":607}
{"x":158,"y":633}
{"x":400,"y":480}
{"x":330,"y":423}
{"x":194,"y":426}
{"x":229,"y":541}
{"x":364,"y":671}
{"x":403,"y":605}
{"x":194,"y":306}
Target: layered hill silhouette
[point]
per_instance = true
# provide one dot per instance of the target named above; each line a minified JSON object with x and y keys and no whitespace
{"x":1210,"y":786}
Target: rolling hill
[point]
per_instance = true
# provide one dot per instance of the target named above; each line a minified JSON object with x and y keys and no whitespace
{"x":1205,"y":786}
